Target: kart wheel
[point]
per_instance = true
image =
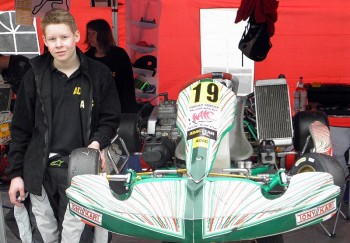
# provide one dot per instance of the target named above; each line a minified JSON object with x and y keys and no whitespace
{"x":83,"y":161}
{"x":129,"y":131}
{"x":302,"y":120}
{"x":314,"y":162}
{"x":271,"y":239}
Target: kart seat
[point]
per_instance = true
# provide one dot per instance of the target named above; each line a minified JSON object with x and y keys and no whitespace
{"x":240,"y":147}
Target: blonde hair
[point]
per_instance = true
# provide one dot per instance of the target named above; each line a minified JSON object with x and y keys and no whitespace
{"x":58,"y":16}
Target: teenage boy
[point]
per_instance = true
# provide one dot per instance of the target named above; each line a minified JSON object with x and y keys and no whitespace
{"x":65,"y":101}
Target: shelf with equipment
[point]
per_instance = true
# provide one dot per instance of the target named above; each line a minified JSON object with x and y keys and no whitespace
{"x":142,"y":21}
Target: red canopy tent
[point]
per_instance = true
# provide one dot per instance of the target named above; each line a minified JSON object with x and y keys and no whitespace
{"x":310,"y":39}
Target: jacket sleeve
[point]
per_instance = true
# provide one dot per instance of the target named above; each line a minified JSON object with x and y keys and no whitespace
{"x":107,"y":110}
{"x":22,"y":125}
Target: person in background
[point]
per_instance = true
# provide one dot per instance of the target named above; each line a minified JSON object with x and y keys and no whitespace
{"x":102,"y":47}
{"x":4,"y":62}
{"x":65,"y":101}
{"x":12,"y":68}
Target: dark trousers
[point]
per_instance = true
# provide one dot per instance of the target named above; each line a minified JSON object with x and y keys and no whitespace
{"x":55,"y":184}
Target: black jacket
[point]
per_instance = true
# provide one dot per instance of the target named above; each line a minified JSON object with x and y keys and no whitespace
{"x":31,"y":124}
{"x":120,"y":65}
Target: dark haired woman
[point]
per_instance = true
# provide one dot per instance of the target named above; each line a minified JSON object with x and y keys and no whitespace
{"x":102,"y":47}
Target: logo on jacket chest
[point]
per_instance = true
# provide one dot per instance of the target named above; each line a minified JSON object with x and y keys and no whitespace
{"x":77,"y":91}
{"x":82,"y":104}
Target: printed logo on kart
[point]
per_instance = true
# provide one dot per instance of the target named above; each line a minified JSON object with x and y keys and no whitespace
{"x":200,"y":142}
{"x":86,"y":213}
{"x":205,"y":115}
{"x":316,"y":212}
{"x":202,"y":132}
{"x":303,"y":159}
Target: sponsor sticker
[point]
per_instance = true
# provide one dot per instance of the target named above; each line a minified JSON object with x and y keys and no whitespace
{"x":300,"y":160}
{"x":200,"y":142}
{"x":86,"y":213}
{"x":4,"y":130}
{"x":203,"y":115}
{"x":202,"y":132}
{"x":316,"y":212}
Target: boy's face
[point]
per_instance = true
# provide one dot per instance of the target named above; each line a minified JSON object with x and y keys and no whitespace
{"x":61,"y":41}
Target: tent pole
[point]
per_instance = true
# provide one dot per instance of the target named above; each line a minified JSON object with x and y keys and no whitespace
{"x":115,"y":20}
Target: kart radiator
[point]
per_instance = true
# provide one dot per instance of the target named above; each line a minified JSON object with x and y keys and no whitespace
{"x":273,"y":114}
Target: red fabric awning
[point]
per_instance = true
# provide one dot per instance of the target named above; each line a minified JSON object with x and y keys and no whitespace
{"x":339,"y":121}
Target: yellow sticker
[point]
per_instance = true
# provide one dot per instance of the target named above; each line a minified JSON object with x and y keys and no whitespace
{"x":200,"y":142}
{"x":205,"y":93}
{"x":4,"y":130}
{"x":302,"y":159}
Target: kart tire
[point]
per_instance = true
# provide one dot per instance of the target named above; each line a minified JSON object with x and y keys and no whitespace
{"x":83,"y":161}
{"x":302,"y":120}
{"x":271,"y":239}
{"x":129,"y":131}
{"x":314,"y":162}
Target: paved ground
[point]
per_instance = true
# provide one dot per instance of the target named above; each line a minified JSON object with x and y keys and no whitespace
{"x":311,"y":234}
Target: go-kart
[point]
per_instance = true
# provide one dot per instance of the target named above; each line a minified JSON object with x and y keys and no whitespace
{"x":197,"y":201}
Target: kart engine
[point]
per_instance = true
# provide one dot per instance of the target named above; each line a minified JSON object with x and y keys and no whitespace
{"x":161,"y":135}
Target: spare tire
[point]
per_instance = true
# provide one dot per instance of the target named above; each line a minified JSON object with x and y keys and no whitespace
{"x":83,"y":161}
{"x":302,"y":120}
{"x":313,"y":162}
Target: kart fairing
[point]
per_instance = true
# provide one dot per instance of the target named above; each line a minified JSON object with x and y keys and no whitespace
{"x":216,"y":209}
